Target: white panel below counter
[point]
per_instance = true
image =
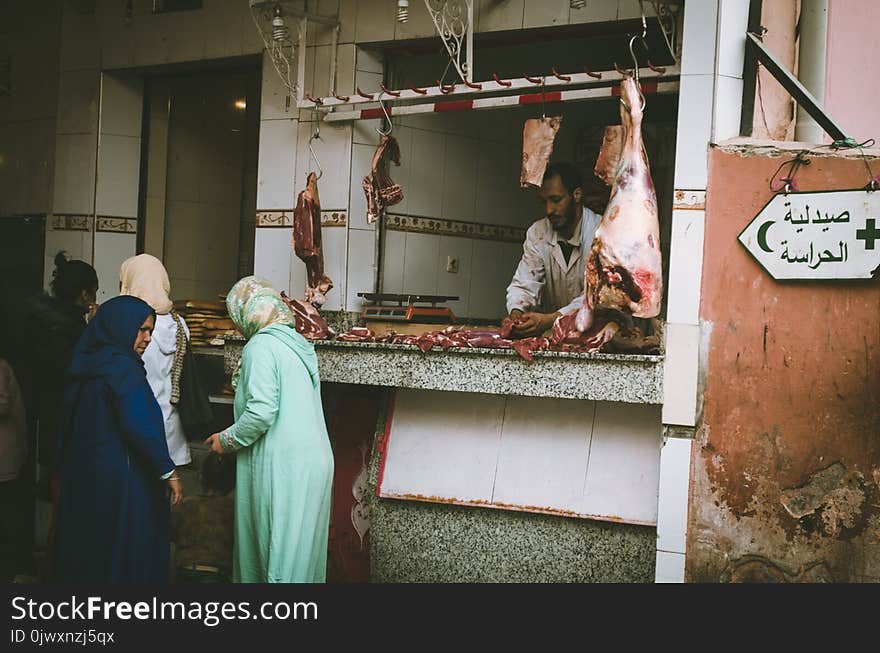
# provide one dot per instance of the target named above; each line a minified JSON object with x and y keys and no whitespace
{"x":597,"y":460}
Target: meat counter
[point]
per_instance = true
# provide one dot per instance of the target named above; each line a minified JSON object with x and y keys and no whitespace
{"x":625,"y":378}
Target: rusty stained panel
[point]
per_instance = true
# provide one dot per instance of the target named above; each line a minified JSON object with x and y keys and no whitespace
{"x":480,"y":503}
{"x":786,"y":481}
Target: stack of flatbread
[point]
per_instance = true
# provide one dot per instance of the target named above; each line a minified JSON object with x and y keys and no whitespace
{"x":207,"y":320}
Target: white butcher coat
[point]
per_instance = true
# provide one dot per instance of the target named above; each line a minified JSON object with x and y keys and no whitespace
{"x":158,"y":360}
{"x":543,"y":281}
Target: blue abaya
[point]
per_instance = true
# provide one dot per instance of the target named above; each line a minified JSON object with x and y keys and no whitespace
{"x":113,"y":514}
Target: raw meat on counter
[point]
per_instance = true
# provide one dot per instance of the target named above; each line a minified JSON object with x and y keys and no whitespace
{"x":465,"y":338}
{"x":307,"y":241}
{"x":379,"y":188}
{"x":538,"y":137}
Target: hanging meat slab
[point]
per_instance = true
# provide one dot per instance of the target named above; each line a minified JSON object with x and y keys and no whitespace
{"x":379,"y":188}
{"x":307,"y":241}
{"x":538,"y":137}
{"x":609,"y":154}
{"x":309,"y":322}
{"x":623,"y":272}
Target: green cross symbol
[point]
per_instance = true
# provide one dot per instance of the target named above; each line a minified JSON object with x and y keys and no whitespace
{"x":869,"y":234}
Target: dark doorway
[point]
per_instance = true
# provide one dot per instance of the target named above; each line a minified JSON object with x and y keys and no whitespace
{"x":22,"y":245}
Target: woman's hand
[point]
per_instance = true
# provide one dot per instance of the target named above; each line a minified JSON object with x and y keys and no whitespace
{"x":214,"y":442}
{"x":175,"y":489}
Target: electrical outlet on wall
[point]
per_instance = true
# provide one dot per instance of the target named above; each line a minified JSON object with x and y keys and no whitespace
{"x":452,"y":264}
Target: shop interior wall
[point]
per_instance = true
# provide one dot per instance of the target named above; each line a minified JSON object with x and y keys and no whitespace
{"x":799,"y":424}
{"x":100,"y":36}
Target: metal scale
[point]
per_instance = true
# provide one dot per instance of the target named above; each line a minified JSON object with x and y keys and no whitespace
{"x":404,"y":310}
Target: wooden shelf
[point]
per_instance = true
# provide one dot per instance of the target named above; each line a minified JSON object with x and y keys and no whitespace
{"x":207,"y":351}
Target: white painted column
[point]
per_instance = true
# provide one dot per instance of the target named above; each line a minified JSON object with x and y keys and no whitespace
{"x":70,"y":227}
{"x":710,"y":102}
{"x":118,"y":177}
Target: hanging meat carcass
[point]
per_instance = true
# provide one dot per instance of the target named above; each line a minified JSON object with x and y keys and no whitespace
{"x":307,"y":241}
{"x":623,"y":275}
{"x":538,"y":137}
{"x":379,"y":188}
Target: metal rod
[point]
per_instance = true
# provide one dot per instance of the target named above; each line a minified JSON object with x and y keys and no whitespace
{"x":604,"y":78}
{"x":791,"y":84}
{"x":301,"y":61}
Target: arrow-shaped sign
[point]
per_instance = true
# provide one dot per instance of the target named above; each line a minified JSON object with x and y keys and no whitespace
{"x":826,"y":235}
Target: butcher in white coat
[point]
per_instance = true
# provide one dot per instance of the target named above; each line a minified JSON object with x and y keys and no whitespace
{"x":145,"y":277}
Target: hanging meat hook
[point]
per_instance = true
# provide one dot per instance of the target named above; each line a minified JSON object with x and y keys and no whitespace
{"x":636,"y":61}
{"x":387,"y":120}
{"x":314,"y":137}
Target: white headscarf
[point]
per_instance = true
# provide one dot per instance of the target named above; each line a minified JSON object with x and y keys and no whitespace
{"x":145,"y":277}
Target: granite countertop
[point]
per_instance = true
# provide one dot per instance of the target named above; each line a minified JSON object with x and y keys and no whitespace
{"x":631,"y":378}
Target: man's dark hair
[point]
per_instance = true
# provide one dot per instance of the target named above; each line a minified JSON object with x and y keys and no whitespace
{"x":218,"y":472}
{"x":569,"y":175}
{"x":71,"y":278}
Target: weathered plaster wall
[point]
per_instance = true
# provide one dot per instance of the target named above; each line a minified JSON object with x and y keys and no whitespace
{"x":413,"y":542}
{"x":786,"y":471}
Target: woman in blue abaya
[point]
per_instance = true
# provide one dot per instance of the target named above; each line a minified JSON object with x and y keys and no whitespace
{"x":116,"y":474}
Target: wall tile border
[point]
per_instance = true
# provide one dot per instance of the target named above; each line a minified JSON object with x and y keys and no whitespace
{"x":689,"y":199}
{"x":444,"y":227}
{"x":68,"y":222}
{"x":283,"y":218}
{"x":109,"y":223}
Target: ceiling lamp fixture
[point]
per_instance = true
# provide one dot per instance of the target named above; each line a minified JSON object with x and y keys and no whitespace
{"x":402,"y":11}
{"x":279,"y":29}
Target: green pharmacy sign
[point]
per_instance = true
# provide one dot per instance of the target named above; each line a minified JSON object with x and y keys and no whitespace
{"x":825,"y":235}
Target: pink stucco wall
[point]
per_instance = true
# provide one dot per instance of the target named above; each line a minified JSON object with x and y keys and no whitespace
{"x":852,"y":76}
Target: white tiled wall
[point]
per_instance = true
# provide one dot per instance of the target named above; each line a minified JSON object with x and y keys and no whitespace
{"x":77,"y":244}
{"x":114,"y":248}
{"x":680,"y":374}
{"x":419,"y":275}
{"x":75,"y":173}
{"x":118,"y":174}
{"x":335,"y":246}
{"x":78,"y":92}
{"x":361,"y":268}
{"x":675,"y":464}
{"x":274,"y":255}
{"x":685,"y":266}
{"x":455,"y":284}
{"x":669,"y":567}
{"x":122,"y":97}
{"x":277,"y":164}
{"x":333,"y":149}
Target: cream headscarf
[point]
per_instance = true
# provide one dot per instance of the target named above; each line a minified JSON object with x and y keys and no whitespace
{"x":144,"y":276}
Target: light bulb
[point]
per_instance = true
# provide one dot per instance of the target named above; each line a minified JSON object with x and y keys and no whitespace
{"x":279,"y":30}
{"x":402,"y":11}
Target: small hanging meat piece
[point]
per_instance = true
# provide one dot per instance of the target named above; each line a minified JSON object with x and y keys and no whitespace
{"x":309,"y":322}
{"x":538,"y":137}
{"x":307,"y":241}
{"x":379,"y":188}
